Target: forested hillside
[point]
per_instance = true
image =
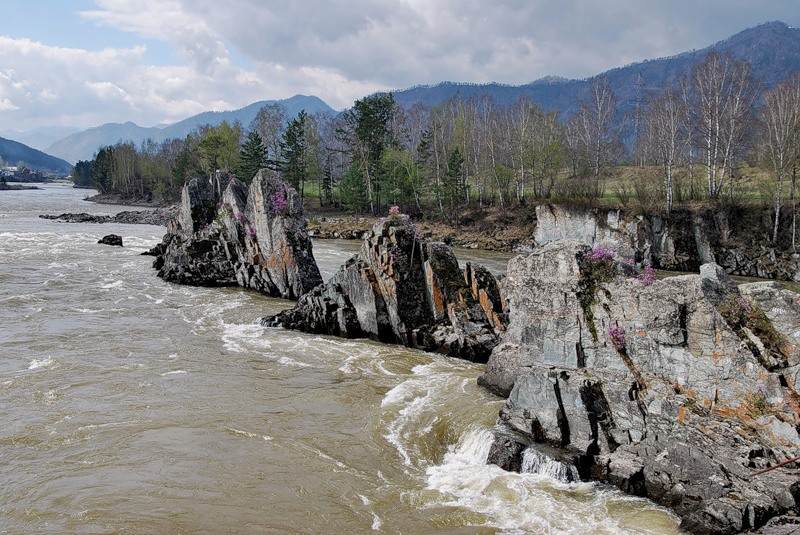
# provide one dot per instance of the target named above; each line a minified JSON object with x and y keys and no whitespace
{"x":13,"y":153}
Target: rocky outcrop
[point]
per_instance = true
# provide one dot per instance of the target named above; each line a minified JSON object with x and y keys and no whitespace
{"x":402,"y":290}
{"x":159,"y":217}
{"x":740,"y":244}
{"x":111,"y":239}
{"x":675,"y":389}
{"x":227,"y":234}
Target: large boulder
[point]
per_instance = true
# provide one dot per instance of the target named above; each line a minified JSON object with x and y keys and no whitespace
{"x":228,"y":234}
{"x":402,"y":290}
{"x":675,"y":389}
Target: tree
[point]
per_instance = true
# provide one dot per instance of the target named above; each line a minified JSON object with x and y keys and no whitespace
{"x":293,"y":163}
{"x":665,"y":127}
{"x":269,"y":122}
{"x":369,"y":125}
{"x":219,"y":147}
{"x":593,"y":126}
{"x":252,"y":157}
{"x":82,"y":174}
{"x":353,"y":191}
{"x":102,"y":168}
{"x":723,"y":97}
{"x":780,"y":137}
{"x":453,"y":182}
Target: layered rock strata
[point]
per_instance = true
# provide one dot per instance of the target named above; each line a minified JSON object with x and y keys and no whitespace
{"x":226,"y":233}
{"x":402,"y":290}
{"x":742,"y":246}
{"x":676,"y":390}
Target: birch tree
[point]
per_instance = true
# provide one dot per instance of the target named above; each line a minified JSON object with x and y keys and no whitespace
{"x":665,"y":127}
{"x":780,"y":135}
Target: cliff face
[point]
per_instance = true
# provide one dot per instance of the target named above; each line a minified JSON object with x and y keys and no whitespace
{"x":740,"y":244}
{"x":674,"y":389}
{"x":402,"y":290}
{"x":227,"y":234}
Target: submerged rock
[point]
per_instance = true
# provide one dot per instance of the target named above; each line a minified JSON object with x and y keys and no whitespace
{"x":228,"y":234}
{"x":111,"y":239}
{"x":401,"y":290}
{"x":676,"y":390}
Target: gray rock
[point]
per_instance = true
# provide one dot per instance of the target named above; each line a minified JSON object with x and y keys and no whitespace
{"x":682,"y":242}
{"x":228,"y":234}
{"x":111,"y":239}
{"x":402,"y":290}
{"x":681,"y":407}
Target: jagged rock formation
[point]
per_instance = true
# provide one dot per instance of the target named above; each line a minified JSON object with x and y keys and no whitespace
{"x":227,"y":234}
{"x":676,"y":389}
{"x":741,"y":245}
{"x":401,"y":290}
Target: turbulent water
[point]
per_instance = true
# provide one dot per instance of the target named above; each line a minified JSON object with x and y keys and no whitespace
{"x":129,"y":405}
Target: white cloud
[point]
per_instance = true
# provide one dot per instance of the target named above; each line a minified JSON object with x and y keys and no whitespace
{"x":341,"y":50}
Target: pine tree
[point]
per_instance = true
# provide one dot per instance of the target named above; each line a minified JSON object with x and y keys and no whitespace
{"x":294,"y":165}
{"x":252,"y":157}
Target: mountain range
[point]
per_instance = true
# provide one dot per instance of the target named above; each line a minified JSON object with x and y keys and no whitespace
{"x":13,"y":152}
{"x":772,"y":49}
{"x":83,"y":145}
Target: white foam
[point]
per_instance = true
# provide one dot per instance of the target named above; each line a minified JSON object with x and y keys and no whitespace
{"x":247,"y":434}
{"x":115,"y":284}
{"x":526,"y":503}
{"x":175,"y":372}
{"x":536,"y":462}
{"x":40,"y":363}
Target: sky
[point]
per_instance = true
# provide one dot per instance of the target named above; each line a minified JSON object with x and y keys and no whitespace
{"x":82,"y":63}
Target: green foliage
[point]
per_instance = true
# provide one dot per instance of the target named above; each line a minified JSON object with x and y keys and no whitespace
{"x":369,"y":126}
{"x":219,"y":147}
{"x":82,"y":174}
{"x":352,"y":190}
{"x":293,"y":164}
{"x":252,"y":157}
{"x":101,"y":169}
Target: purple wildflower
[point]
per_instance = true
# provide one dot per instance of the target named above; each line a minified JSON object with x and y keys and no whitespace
{"x":648,"y":276}
{"x":600,"y":253}
{"x":277,"y":200}
{"x":616,"y":336}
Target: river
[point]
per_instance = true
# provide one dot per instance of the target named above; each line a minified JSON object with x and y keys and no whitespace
{"x":130,"y":405}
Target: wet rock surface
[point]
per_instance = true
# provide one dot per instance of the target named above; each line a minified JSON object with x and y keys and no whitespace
{"x":227,"y":233}
{"x":677,"y":390}
{"x":402,"y":290}
{"x":111,"y":239}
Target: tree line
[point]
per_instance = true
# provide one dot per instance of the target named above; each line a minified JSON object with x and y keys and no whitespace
{"x":440,"y":161}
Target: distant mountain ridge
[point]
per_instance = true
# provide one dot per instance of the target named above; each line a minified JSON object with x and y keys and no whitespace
{"x":772,"y":49}
{"x":13,"y":152}
{"x":83,"y":145}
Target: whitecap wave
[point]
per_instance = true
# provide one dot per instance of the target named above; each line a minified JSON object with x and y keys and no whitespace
{"x":174,"y":372}
{"x":247,"y":434}
{"x":41,"y":363}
